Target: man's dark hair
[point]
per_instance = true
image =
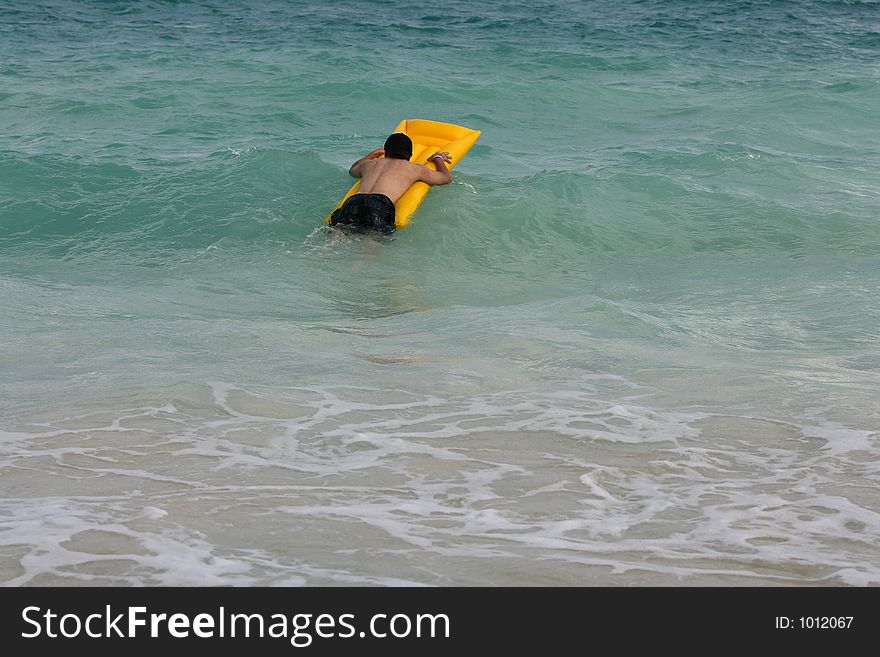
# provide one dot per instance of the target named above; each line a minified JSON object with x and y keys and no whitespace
{"x":398,"y":146}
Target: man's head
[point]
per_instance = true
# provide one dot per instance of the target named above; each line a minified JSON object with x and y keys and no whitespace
{"x":398,"y":146}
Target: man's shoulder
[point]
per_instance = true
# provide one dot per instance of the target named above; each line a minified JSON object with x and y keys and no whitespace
{"x":399,"y":166}
{"x":391,"y":163}
{"x":398,"y":162}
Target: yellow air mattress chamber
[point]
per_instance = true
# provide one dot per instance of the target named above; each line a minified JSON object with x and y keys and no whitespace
{"x":428,"y":137}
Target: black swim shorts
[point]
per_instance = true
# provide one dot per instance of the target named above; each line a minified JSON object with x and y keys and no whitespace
{"x":366,"y":211}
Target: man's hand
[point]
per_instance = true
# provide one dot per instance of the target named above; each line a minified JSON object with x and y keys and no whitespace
{"x":439,"y":156}
{"x":441,"y":176}
{"x":379,"y":152}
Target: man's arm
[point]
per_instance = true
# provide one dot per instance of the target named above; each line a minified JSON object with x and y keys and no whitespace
{"x":442,"y":176}
{"x":356,"y":169}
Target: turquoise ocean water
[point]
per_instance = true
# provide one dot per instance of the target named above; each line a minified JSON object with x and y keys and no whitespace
{"x":637,"y":341}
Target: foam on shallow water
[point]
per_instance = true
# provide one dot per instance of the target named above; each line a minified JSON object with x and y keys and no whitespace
{"x":293,"y":486}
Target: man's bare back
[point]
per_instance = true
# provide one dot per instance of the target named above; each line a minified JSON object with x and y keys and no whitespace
{"x":392,"y":177}
{"x":383,"y":182}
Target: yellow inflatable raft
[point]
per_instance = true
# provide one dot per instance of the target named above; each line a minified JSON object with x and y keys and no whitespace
{"x":428,"y":137}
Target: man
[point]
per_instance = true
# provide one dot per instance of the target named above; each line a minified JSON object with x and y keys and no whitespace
{"x":384,"y":180}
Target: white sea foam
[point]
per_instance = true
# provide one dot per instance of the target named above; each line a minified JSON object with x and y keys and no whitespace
{"x":300,"y":485}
